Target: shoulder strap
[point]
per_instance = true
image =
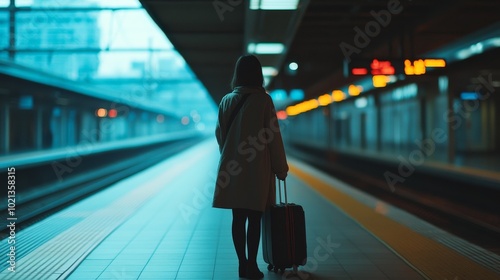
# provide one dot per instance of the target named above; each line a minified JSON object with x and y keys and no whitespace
{"x":235,"y":112}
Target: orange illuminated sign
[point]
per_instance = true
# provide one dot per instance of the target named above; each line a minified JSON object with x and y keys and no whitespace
{"x":380,"y":80}
{"x":382,"y":67}
{"x":394,"y":67}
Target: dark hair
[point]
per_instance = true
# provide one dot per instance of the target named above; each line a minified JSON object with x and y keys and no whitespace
{"x":247,"y":72}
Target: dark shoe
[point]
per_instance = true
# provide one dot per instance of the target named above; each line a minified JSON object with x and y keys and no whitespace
{"x":253,"y":271}
{"x":242,"y":269}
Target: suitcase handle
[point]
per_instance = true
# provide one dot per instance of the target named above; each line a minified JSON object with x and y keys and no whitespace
{"x":279,"y":189}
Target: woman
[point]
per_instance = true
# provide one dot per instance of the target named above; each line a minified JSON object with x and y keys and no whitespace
{"x":252,"y":153}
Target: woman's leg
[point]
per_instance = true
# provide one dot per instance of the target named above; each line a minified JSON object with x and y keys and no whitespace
{"x":253,"y":234}
{"x":253,"y":239}
{"x":239,"y":233}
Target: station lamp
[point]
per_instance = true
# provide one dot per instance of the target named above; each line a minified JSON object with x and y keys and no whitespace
{"x":266,"y":48}
{"x":274,"y":4}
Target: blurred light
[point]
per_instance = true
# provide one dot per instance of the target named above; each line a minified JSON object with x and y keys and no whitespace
{"x":281,"y":115}
{"x":195,"y":116}
{"x":112,"y":113}
{"x":359,"y":71}
{"x":297,"y":94}
{"x":338,"y":95}
{"x":278,"y":94}
{"x":269,"y":71}
{"x":380,"y":80}
{"x":419,"y":67}
{"x":101,"y":112}
{"x":382,"y":67}
{"x":160,"y":118}
{"x":478,"y":48}
{"x":292,"y":110}
{"x":325,"y":99}
{"x":415,"y":68}
{"x":361,"y":102}
{"x":201,"y":126}
{"x":469,"y":96}
{"x":185,"y":120}
{"x":405,"y":92}
{"x":266,"y":48}
{"x":472,"y":50}
{"x":443,"y":84}
{"x":293,"y":66}
{"x":434,"y":62}
{"x":355,"y":90}
{"x":409,"y":69}
{"x":302,"y":107}
{"x":273,"y":4}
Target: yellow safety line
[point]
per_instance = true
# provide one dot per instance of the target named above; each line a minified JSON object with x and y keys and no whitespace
{"x":431,"y":258}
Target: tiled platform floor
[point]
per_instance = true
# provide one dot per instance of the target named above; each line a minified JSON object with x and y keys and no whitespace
{"x":174,"y":233}
{"x":177,"y":235}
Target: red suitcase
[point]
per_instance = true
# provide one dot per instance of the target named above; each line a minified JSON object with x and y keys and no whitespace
{"x":284,"y":235}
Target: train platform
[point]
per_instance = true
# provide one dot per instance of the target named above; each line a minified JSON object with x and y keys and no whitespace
{"x":474,"y":166}
{"x":159,"y":224}
{"x":478,"y":167}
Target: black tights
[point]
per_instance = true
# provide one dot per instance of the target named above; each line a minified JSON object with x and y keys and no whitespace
{"x":251,"y":236}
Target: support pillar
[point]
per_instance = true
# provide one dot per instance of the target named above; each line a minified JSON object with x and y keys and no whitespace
{"x":12,"y":30}
{"x":39,"y":128}
{"x":5,"y":129}
{"x":451,"y":131}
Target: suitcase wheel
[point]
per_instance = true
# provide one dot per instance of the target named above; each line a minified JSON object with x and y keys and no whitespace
{"x":275,"y":268}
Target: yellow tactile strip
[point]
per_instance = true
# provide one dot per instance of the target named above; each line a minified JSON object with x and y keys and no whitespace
{"x":57,"y":258}
{"x":432,"y":259}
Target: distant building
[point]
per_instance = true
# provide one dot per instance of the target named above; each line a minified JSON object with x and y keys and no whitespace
{"x":63,"y":43}
{"x":4,"y":34}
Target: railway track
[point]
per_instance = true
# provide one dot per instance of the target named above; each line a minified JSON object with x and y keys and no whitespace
{"x":466,"y":209}
{"x":40,"y":201}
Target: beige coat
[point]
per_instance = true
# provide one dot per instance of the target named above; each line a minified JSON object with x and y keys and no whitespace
{"x":252,"y":153}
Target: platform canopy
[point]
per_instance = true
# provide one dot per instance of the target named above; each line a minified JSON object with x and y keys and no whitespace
{"x":316,"y":35}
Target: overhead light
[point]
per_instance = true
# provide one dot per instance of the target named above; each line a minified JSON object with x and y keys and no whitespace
{"x":478,"y":48}
{"x":434,"y":62}
{"x":338,"y":95}
{"x":380,"y":80}
{"x":469,"y":96}
{"x":269,"y":71}
{"x":297,"y":94}
{"x":101,"y":112}
{"x":325,"y":99}
{"x":274,"y":4}
{"x":266,"y":48}
{"x":293,"y":66}
{"x":354,"y":90}
{"x":281,"y":115}
{"x":278,"y":94}
{"x":361,"y":102}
